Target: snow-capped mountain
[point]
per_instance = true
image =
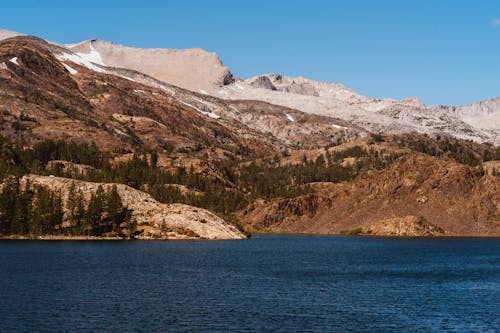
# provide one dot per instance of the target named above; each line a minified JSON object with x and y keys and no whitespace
{"x":478,"y":122}
{"x":193,"y":69}
{"x":203,"y":72}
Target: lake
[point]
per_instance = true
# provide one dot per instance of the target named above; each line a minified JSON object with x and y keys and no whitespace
{"x":270,"y":283}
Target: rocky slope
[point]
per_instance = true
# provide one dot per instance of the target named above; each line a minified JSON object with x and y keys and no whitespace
{"x":186,"y":106}
{"x":416,"y":195}
{"x":477,"y":122}
{"x":155,"y":220}
{"x":193,"y":69}
{"x":66,"y":95}
{"x":203,"y":72}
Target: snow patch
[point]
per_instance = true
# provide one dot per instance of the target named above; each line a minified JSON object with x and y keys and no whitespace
{"x":14,"y":61}
{"x":338,"y":126}
{"x":3,"y":65}
{"x":170,"y":91}
{"x":239,"y":86}
{"x":210,"y":114}
{"x":93,"y":56}
{"x":203,"y":92}
{"x":70,"y":69}
{"x":80,"y":61}
{"x":290,"y":118}
{"x":223,"y":92}
{"x":139,"y":91}
{"x":128,"y":78}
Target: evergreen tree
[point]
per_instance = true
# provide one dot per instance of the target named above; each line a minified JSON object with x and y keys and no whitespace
{"x":76,"y":207}
{"x":8,"y":199}
{"x":95,"y":211}
{"x":23,"y":210}
{"x":114,"y":207}
{"x":56,"y":212}
{"x":154,"y":158}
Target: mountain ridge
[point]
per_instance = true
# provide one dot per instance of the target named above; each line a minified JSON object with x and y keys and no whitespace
{"x":68,"y":113}
{"x":203,"y":72}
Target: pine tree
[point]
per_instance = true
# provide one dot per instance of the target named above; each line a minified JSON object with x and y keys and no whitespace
{"x":8,"y":199}
{"x":23,"y":210}
{"x":76,"y":208}
{"x":95,"y":211}
{"x":114,"y":207}
{"x":56,"y":212}
{"x":41,"y":212}
{"x":154,"y":158}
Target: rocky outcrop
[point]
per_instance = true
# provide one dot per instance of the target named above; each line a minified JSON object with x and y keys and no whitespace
{"x":154,"y":220}
{"x":454,"y":198}
{"x":405,"y":226}
{"x":262,"y":82}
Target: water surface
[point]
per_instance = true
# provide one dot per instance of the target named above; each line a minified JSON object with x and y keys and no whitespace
{"x":266,"y":284}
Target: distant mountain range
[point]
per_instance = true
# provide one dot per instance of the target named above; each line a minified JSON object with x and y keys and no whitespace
{"x":273,"y":153}
{"x":203,"y":72}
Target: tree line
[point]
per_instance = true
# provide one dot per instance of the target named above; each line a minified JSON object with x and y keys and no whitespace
{"x":37,"y":210}
{"x":232,"y":184}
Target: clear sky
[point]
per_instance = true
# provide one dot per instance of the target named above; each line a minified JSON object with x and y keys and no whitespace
{"x":442,"y":51}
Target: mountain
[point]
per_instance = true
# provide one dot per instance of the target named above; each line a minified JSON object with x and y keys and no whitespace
{"x":202,"y":72}
{"x":95,"y":102}
{"x":270,"y":153}
{"x":417,"y":191}
{"x":477,"y":122}
{"x":192,"y":69}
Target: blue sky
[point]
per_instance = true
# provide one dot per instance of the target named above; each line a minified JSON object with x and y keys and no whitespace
{"x":442,"y":51}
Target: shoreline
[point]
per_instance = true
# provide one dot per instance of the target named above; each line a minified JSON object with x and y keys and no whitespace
{"x":61,"y":237}
{"x":100,"y":238}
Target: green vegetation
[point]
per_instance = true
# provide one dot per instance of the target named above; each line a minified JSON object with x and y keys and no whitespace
{"x":465,"y":152}
{"x":36,"y":210}
{"x":224,"y":187}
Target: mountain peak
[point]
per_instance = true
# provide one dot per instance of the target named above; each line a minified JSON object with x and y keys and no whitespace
{"x":194,"y":69}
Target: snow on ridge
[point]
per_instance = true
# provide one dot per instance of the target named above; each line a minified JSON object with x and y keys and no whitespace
{"x":210,"y":114}
{"x":223,"y":92}
{"x":70,"y":69}
{"x":14,"y":61}
{"x":289,"y":117}
{"x":80,"y":61}
{"x":167,"y":90}
{"x":92,"y":56}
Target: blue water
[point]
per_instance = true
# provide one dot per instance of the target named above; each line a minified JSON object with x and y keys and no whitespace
{"x":266,"y":284}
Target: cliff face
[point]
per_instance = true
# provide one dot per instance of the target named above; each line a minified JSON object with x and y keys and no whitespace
{"x":416,"y":195}
{"x":154,"y":220}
